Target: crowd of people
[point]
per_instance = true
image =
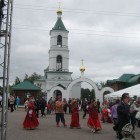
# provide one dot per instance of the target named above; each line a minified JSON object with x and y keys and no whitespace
{"x":123,"y":113}
{"x":13,"y":102}
{"x":60,"y":108}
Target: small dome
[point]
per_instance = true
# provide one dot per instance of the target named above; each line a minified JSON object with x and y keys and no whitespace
{"x":82,"y":68}
{"x":59,"y":12}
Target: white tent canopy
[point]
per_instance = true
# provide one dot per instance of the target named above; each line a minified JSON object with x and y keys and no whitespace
{"x":133,"y":91}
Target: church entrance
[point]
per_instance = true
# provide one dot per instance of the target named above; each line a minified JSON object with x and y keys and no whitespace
{"x":57,"y":93}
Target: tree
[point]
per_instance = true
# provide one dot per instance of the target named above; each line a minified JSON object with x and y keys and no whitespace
{"x":17,"y":81}
{"x":26,"y":77}
{"x":86,"y":93}
{"x":92,"y":96}
{"x":34,"y":77}
{"x":101,"y":85}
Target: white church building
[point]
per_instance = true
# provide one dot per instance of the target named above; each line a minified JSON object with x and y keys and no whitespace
{"x":57,"y":79}
{"x":57,"y":76}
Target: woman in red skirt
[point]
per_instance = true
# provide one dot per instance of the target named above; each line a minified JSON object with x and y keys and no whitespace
{"x":75,"y":115}
{"x":93,"y":120}
{"x":31,"y":121}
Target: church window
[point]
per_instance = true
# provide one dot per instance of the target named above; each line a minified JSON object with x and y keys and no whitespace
{"x":59,"y":40}
{"x":59,"y":63}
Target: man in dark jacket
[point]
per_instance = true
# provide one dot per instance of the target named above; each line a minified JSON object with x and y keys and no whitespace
{"x":42,"y":107}
{"x":37,"y":107}
{"x":84,"y":107}
{"x":123,"y":111}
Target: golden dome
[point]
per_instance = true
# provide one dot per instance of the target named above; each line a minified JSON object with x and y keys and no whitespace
{"x":59,"y":11}
{"x":82,"y":68}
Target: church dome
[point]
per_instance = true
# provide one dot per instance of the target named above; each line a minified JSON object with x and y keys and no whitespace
{"x":82,"y":68}
{"x":59,"y":12}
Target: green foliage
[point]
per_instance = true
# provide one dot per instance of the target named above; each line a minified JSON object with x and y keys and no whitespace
{"x":86,"y":93}
{"x":17,"y":81}
{"x":31,"y":78}
{"x":10,"y":89}
{"x":101,"y":85}
{"x":26,"y":77}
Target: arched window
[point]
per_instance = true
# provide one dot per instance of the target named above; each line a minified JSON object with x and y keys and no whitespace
{"x":59,"y":40}
{"x":59,"y":63}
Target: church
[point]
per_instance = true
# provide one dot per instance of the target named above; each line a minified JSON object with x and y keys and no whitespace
{"x":57,"y":77}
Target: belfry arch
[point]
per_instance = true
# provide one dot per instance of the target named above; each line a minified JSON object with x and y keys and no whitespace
{"x":98,"y":93}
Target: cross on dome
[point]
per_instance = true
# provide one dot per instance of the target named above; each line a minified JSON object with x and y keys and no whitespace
{"x":59,"y":11}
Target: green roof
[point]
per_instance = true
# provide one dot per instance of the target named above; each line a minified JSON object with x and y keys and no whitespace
{"x":26,"y":85}
{"x":59,"y":25}
{"x":126,"y":77}
{"x":134,"y":80}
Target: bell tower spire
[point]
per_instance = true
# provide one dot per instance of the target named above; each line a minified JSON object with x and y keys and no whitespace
{"x":59,"y":52}
{"x":59,"y":11}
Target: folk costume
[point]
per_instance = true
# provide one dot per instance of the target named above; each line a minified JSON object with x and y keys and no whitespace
{"x":31,"y":121}
{"x":59,"y":112}
{"x":75,"y":115}
{"x":93,"y":120}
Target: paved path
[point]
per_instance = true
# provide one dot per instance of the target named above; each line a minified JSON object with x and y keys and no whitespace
{"x":47,"y":129}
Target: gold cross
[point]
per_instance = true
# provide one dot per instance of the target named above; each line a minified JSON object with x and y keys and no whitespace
{"x":59,"y":4}
{"x":82,"y":61}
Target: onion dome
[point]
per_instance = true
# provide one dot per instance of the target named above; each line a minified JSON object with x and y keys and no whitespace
{"x":82,"y":68}
{"x":59,"y":12}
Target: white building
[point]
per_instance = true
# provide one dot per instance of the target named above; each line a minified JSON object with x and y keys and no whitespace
{"x":57,"y":79}
{"x":57,"y":76}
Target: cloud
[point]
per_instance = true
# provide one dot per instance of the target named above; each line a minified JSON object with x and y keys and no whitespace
{"x":103,"y":33}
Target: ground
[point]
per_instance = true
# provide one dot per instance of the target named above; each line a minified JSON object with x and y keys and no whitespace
{"x":47,"y":129}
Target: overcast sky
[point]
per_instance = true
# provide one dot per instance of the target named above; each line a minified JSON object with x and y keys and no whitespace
{"x":105,"y":33}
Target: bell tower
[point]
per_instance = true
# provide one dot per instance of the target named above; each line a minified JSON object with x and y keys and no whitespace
{"x":57,"y":76}
{"x":59,"y":52}
{"x":57,"y":73}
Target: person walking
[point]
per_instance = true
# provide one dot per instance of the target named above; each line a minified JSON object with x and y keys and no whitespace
{"x":12,"y":101}
{"x":84,"y":107}
{"x":37,"y":107}
{"x":114,"y":115}
{"x":42,"y":106}
{"x":65,"y":105}
{"x":17,"y":101}
{"x":69,"y":105}
{"x":30,"y":121}
{"x":98,"y":105}
{"x":75,"y":115}
{"x":93,"y":120}
{"x":48,"y":108}
{"x":123,"y":111}
{"x":133,"y":112}
{"x":59,"y":111}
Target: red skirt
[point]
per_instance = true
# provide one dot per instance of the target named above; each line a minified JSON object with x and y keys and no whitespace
{"x":30,"y":121}
{"x":94,"y":123}
{"x":75,"y":120}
